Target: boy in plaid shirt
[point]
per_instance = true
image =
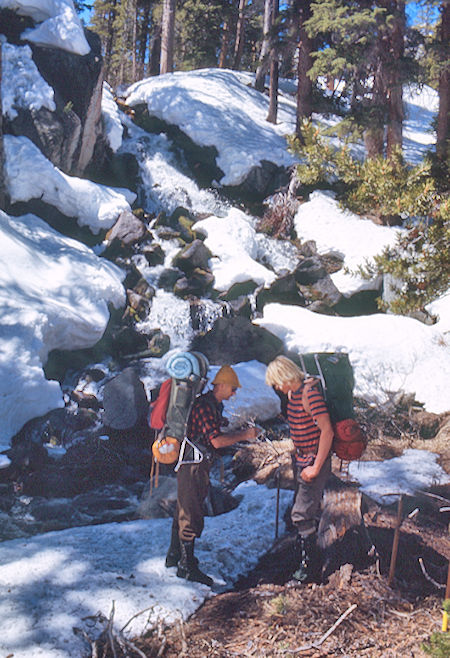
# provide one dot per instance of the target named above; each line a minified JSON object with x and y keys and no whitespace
{"x":205,"y":432}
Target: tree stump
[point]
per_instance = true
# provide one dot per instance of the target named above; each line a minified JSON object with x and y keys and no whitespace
{"x":342,"y":534}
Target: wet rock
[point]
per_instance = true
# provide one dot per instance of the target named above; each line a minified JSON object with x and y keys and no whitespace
{"x":124,"y":400}
{"x":127,"y":232}
{"x":169,"y":277}
{"x":127,"y":340}
{"x":236,"y":339}
{"x":238,"y":290}
{"x":196,"y":284}
{"x":153,"y":254}
{"x":283,"y":290}
{"x":193,"y":256}
{"x":241,"y":306}
{"x":138,"y":305}
{"x":158,"y":344}
{"x":309,"y":271}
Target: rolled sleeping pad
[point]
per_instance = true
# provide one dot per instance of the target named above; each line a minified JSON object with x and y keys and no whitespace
{"x":183,"y":365}
{"x":203,"y":363}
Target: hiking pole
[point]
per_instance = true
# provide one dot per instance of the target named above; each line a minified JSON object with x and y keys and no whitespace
{"x":277,"y":506}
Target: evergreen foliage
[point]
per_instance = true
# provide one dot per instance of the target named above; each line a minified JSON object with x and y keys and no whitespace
{"x":389,"y":191}
{"x":199,"y":32}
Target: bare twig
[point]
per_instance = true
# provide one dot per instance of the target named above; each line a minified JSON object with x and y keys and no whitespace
{"x":183,"y":636}
{"x":109,"y":630}
{"x":162,"y":647}
{"x":92,"y":643}
{"x":141,"y":612}
{"x":315,"y":645}
{"x":428,"y":577}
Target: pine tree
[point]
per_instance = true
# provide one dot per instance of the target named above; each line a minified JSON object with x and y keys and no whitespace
{"x":362,"y":46}
{"x":2,"y":155}
{"x":304,"y":81}
{"x":167,"y":36}
{"x":200,"y":32}
{"x":273,"y":57}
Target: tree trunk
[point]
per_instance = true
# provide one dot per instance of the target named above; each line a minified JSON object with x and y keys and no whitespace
{"x":273,"y":87}
{"x":2,"y":155}
{"x":442,"y":140}
{"x":155,"y":53}
{"x":167,"y":37}
{"x":240,"y":35}
{"x":109,"y":44}
{"x":304,"y":84}
{"x":342,"y":534}
{"x":395,"y":87}
{"x":263,"y":63}
{"x":143,"y":38}
{"x":374,"y":134}
{"x":224,"y":44}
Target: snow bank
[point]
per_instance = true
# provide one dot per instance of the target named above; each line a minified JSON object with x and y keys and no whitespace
{"x":54,"y":294}
{"x":22,"y":86}
{"x":215,"y":107}
{"x":29,"y":175}
{"x":345,"y":234}
{"x":111,"y":118}
{"x":59,"y":25}
{"x":389,"y":353}
{"x":232,"y":240}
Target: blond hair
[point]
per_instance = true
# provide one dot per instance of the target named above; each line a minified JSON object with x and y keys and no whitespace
{"x":282,"y":370}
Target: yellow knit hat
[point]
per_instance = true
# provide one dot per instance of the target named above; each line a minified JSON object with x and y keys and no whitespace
{"x":226,"y":375}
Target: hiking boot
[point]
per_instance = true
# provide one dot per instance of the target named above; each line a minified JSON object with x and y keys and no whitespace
{"x":310,"y":565}
{"x":174,"y":553}
{"x":188,"y":565}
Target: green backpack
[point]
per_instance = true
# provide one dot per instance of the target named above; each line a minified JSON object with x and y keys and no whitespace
{"x":334,"y":374}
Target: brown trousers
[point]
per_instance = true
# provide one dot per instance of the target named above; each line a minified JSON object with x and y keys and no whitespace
{"x":193,"y":484}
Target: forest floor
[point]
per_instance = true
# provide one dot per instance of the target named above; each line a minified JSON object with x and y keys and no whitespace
{"x":359,"y":610}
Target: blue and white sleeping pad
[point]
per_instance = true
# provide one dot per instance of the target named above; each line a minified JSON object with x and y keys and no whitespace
{"x":187,"y":365}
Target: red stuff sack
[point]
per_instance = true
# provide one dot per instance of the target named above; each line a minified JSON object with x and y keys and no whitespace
{"x":349,"y":440}
{"x":158,"y":408}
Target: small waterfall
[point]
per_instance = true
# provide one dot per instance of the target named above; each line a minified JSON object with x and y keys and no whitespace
{"x":165,"y":186}
{"x":172,"y":316}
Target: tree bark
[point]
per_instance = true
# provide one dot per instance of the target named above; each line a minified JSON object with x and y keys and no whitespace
{"x":143,"y":39}
{"x":394,"y":136}
{"x":223,"y":56}
{"x":304,"y":84}
{"x":273,"y":86}
{"x":263,"y":64}
{"x":167,"y":37}
{"x":442,"y":139}
{"x":2,"y":155}
{"x":110,"y":40}
{"x":240,"y":35}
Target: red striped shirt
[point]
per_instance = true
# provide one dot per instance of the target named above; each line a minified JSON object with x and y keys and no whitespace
{"x":304,"y":431}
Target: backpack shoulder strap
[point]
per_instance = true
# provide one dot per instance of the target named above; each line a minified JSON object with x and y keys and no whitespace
{"x":307,"y":386}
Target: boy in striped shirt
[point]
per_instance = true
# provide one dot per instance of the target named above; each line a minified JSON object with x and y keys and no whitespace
{"x":312,"y":435}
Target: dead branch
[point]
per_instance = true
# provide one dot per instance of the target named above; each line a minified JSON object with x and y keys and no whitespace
{"x":315,"y":645}
{"x":141,"y":612}
{"x":428,"y":577}
{"x":109,"y":631}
